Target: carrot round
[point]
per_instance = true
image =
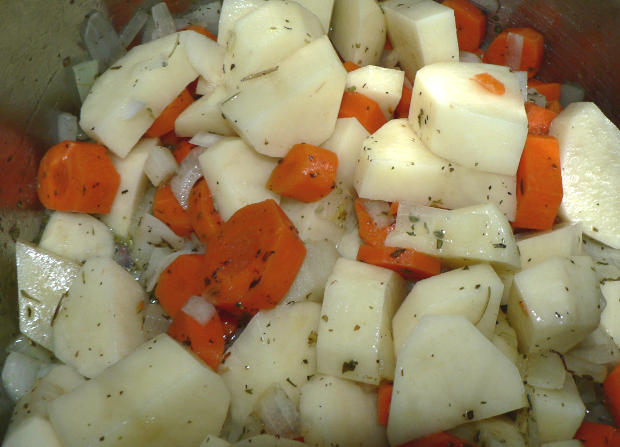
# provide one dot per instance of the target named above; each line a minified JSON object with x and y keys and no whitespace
{"x":182,"y":149}
{"x":367,"y":111}
{"x":384,"y":398}
{"x":203,"y":216}
{"x":181,"y":280}
{"x":78,"y":177}
{"x":471,"y":24}
{"x":593,"y":434}
{"x":206,"y":341}
{"x":550,"y":90}
{"x":19,"y":160}
{"x":165,"y":122}
{"x":200,"y":30}
{"x":538,"y":118}
{"x":252,"y":262}
{"x":307,"y":173}
{"x":531,"y":57}
{"x":369,"y":231}
{"x":539,"y":183}
{"x":402,"y":109}
{"x":489,"y":83}
{"x":167,"y":209}
{"x":350,"y":66}
{"x":409,"y":263}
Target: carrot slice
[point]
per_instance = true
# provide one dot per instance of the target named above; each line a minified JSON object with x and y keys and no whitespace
{"x":471,"y":24}
{"x":554,"y":106}
{"x":408,"y":263}
{"x":181,"y":280}
{"x":165,"y":122}
{"x":370,"y":233}
{"x":307,"y":173}
{"x":367,"y":111}
{"x":402,"y":109}
{"x":182,"y":149}
{"x":611,"y":387}
{"x":531,"y":56}
{"x":169,"y":139}
{"x":253,"y":261}
{"x":539,"y":183}
{"x":394,"y":208}
{"x":538,"y":118}
{"x":440,"y":439}
{"x":78,"y":177}
{"x":550,"y":90}
{"x":350,"y":66}
{"x":384,"y":398}
{"x":200,"y":30}
{"x":167,"y":209}
{"x":490,"y":83}
{"x":207,"y":341}
{"x":203,"y":216}
{"x":593,"y":434}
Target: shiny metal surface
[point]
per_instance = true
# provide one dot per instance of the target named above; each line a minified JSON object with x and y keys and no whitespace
{"x":41,"y":40}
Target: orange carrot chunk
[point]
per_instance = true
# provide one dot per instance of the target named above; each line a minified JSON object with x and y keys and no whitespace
{"x":440,"y":439}
{"x":384,"y":398}
{"x":539,"y":183}
{"x":593,"y":434}
{"x":307,"y":173}
{"x":165,"y":122}
{"x":252,"y":262}
{"x":203,"y":216}
{"x":408,"y":263}
{"x":206,"y":341}
{"x":550,"y":90}
{"x":611,"y":387}
{"x":367,"y":111}
{"x":402,"y":109}
{"x":167,"y":209}
{"x":532,"y":53}
{"x":181,"y":280}
{"x":538,"y":118}
{"x":369,"y":231}
{"x":394,"y":208}
{"x":490,"y":83}
{"x":78,"y":177}
{"x":471,"y":24}
{"x":350,"y":66}
{"x":554,"y":106}
{"x":182,"y":149}
{"x":200,"y":30}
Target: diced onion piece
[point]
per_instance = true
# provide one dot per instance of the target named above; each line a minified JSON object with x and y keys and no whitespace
{"x":389,"y":59}
{"x":101,"y":40}
{"x":522,"y":80}
{"x":66,"y":127}
{"x":379,"y":212}
{"x":514,"y":50}
{"x":160,"y":165}
{"x":279,"y":413}
{"x":467,"y":56}
{"x":155,"y":320}
{"x":207,"y":16}
{"x":205,"y":139}
{"x":133,"y":27}
{"x":150,"y":234}
{"x":26,"y":346}
{"x":19,"y":374}
{"x":583,"y":368}
{"x":199,"y":309}
{"x":164,"y":23}
{"x":204,"y":87}
{"x":132,"y":108}
{"x":571,"y":92}
{"x":85,"y":74}
{"x":187,"y":175}
{"x":536,"y":98}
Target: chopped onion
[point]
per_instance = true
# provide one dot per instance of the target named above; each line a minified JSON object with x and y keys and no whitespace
{"x":279,"y":413}
{"x":19,"y":374}
{"x":522,"y":80}
{"x":152,"y":233}
{"x":379,"y":211}
{"x":207,"y":16}
{"x":155,"y":320}
{"x":583,"y":368}
{"x":570,"y":92}
{"x":199,"y":309}
{"x":204,"y":87}
{"x":536,"y":98}
{"x":85,"y":74}
{"x":132,"y":108}
{"x":599,"y":413}
{"x":133,"y":27}
{"x":349,"y":244}
{"x":514,"y":50}
{"x":149,"y":29}
{"x":188,"y":174}
{"x":389,"y":59}
{"x":26,"y":346}
{"x":599,"y":348}
{"x":205,"y":139}
{"x":160,"y":165}
{"x":466,"y":56}
{"x":101,"y":40}
{"x":164,"y":23}
{"x":66,"y":127}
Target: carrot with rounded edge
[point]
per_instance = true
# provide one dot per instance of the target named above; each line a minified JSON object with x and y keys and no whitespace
{"x":440,"y":439}
{"x":165,"y":121}
{"x":78,"y":177}
{"x":167,"y":209}
{"x":611,"y":386}
{"x":203,"y":216}
{"x":182,"y":149}
{"x":179,"y":281}
{"x":369,"y":231}
{"x":539,"y":183}
{"x":471,"y":24}
{"x":252,"y":262}
{"x":200,"y":30}
{"x":538,"y":118}
{"x":593,"y":434}
{"x":384,"y":398}
{"x":367,"y":111}
{"x":402,"y":109}
{"x":408,"y":263}
{"x":531,"y":55}
{"x":350,"y":66}
{"x":550,"y":90}
{"x":490,"y":83}
{"x":169,"y":140}
{"x":306,"y":173}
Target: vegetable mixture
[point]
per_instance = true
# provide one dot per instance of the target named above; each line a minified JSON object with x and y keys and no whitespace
{"x":324,"y":223}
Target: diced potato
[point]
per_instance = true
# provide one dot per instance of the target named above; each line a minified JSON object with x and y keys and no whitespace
{"x":598,"y":348}
{"x":563,"y":241}
{"x":382,"y":85}
{"x":160,"y":165}
{"x":395,"y":166}
{"x":545,"y":370}
{"x":355,"y":333}
{"x":465,"y":123}
{"x":204,"y":115}
{"x":268,"y":441}
{"x":477,"y":233}
{"x":276,"y":347}
{"x":474,"y":292}
{"x":77,"y":236}
{"x":236,"y":175}
{"x":590,"y":163}
{"x":422,"y":32}
{"x":33,"y":431}
{"x":19,"y":374}
{"x":338,"y":412}
{"x":296,"y":101}
{"x":558,"y":413}
{"x":507,"y":276}
{"x":610,"y":317}
{"x":554,"y":304}
{"x":99,"y":321}
{"x":346,"y":142}
{"x":132,"y":187}
{"x":204,"y":55}
{"x":160,"y":395}
{"x":214,"y":441}
{"x":494,"y":432}
{"x":505,"y":338}
{"x":358,"y":31}
{"x":443,"y":378}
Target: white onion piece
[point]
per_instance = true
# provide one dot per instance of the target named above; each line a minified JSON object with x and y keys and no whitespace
{"x":199,"y":309}
{"x":132,"y":108}
{"x":66,"y":127}
{"x":379,"y":211}
{"x":487,"y":5}
{"x":187,"y":175}
{"x":164,"y":23}
{"x":133,"y":27}
{"x":522,"y":80}
{"x":279,"y":413}
{"x":207,"y":16}
{"x":389,"y":59}
{"x":570,"y":93}
{"x":583,"y":368}
{"x":467,"y":56}
{"x":514,"y":50}
{"x":19,"y":374}
{"x":149,"y":29}
{"x":152,"y":233}
{"x":536,"y":98}
{"x":160,"y":165}
{"x":85,"y":74}
{"x":598,"y":413}
{"x":205,"y":139}
{"x":155,"y":320}
{"x":101,"y":40}
{"x":24,"y":345}
{"x":204,"y":87}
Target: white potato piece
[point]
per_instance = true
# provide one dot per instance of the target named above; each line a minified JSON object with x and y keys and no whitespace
{"x":33,"y":431}
{"x":395,"y":166}
{"x":99,"y":321}
{"x":505,"y":338}
{"x":204,"y":115}
{"x":160,"y":165}
{"x":355,"y":331}
{"x":606,"y":259}
{"x":590,"y":164}
{"x":476,"y":233}
{"x":422,"y":32}
{"x":598,"y":348}
{"x":555,"y":304}
{"x":427,"y":398}
{"x":473,"y":292}
{"x":204,"y":55}
{"x":544,"y":370}
{"x":458,"y":119}
{"x":77,"y":236}
{"x":346,"y":142}
{"x":214,"y":441}
{"x":276,"y":347}
{"x":507,"y":276}
{"x":19,"y":374}
{"x":338,"y":412}
{"x":563,"y":241}
{"x":264,"y":37}
{"x":358,"y":31}
{"x":382,"y":85}
{"x":268,"y":441}
{"x":160,"y":395}
{"x":610,"y":317}
{"x":43,"y":279}
{"x":236,"y":175}
{"x":494,"y":432}
{"x":296,"y":101}
{"x":134,"y":183}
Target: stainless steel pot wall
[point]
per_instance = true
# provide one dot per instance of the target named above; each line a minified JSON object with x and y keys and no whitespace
{"x":41,"y":40}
